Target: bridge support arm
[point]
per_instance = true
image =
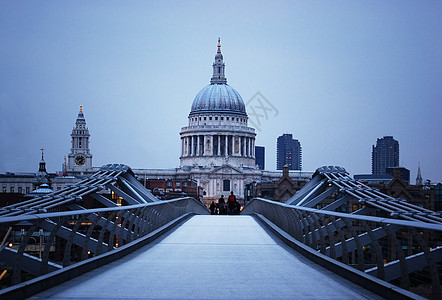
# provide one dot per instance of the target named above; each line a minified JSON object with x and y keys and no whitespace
{"x":30,"y":264}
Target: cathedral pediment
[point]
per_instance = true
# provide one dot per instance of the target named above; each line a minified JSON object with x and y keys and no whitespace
{"x":227,"y":169}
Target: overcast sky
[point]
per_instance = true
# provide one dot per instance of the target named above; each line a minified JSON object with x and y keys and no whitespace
{"x":336,"y":74}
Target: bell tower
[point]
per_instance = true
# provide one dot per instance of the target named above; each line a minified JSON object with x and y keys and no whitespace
{"x":80,"y":158}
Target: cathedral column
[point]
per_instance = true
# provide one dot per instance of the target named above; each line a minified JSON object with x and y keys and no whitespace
{"x":246,"y":146}
{"x":226,"y":143}
{"x":211,"y":144}
{"x":196,"y":145}
{"x":232,"y":144}
{"x":182,"y":146}
{"x":188,"y":145}
{"x":253,"y":147}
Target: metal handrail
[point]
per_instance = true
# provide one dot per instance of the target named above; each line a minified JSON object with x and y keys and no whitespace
{"x":406,"y":223}
{"x":386,"y":248}
{"x":69,"y":237}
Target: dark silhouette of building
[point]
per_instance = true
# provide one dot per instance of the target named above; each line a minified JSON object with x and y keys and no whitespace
{"x":419,"y":180}
{"x":438,"y":197}
{"x":384,"y":155}
{"x":173,"y":188}
{"x":404,"y":173}
{"x":280,"y":190}
{"x":260,"y":156}
{"x":288,"y":152}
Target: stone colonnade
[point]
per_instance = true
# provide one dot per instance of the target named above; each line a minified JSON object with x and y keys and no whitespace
{"x":217,"y":145}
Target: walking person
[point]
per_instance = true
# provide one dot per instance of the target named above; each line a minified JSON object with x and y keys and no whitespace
{"x":222,"y":206}
{"x":232,"y":203}
{"x":213,"y":208}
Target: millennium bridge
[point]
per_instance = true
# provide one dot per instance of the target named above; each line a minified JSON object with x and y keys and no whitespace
{"x":137,"y":246}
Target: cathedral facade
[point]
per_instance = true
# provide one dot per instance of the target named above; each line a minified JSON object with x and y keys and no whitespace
{"x":217,"y":145}
{"x":217,"y":149}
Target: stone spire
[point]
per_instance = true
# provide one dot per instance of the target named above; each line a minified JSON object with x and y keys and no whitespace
{"x":419,"y":175}
{"x":42,"y":166}
{"x":80,"y":158}
{"x":81,"y":121}
{"x":41,"y":176}
{"x":218,"y":76}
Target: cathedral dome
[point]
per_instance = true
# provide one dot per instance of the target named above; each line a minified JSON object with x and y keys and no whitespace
{"x":218,"y":98}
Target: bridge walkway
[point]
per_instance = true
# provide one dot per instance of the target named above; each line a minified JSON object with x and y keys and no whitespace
{"x":211,"y":257}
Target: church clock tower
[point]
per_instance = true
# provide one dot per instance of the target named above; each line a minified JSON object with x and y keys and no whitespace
{"x":80,"y":158}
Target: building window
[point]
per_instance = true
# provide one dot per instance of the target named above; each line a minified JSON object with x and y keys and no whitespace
{"x":28,"y":190}
{"x":222,"y":118}
{"x":169,"y":183}
{"x":226,"y":185}
{"x":205,"y":118}
{"x":184,"y":183}
{"x":210,"y":118}
{"x":178,"y":184}
{"x":20,"y":189}
{"x":227,"y":118}
{"x":216,"y":118}
{"x":11,"y":189}
{"x":4,"y":189}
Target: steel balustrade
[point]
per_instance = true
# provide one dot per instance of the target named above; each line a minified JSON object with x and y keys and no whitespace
{"x":389,"y":249}
{"x":332,"y":180}
{"x":85,"y":233}
{"x":78,"y":234}
{"x":395,"y":248}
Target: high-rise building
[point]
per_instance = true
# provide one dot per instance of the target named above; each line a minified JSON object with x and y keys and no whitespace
{"x":384,"y":155}
{"x":288,"y":152}
{"x":260,"y":157}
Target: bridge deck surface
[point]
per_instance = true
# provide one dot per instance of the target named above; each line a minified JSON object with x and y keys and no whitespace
{"x":211,"y":257}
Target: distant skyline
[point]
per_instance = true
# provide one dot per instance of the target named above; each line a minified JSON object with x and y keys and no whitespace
{"x":337,"y":75}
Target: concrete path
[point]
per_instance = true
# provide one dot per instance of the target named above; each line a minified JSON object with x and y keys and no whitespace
{"x":211,"y":257}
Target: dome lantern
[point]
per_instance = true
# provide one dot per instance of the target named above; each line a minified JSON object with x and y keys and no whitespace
{"x":218,"y":96}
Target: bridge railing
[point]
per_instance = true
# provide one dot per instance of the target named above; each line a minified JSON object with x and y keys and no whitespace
{"x":36,"y":244}
{"x":405,"y":253}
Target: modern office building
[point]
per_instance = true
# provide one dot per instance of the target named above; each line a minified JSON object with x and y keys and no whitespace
{"x":260,"y":157}
{"x":288,"y":152}
{"x":384,"y":155}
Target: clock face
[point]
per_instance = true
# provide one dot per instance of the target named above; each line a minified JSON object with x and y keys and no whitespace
{"x":80,"y":160}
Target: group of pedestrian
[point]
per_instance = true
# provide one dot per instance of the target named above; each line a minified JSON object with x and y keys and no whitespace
{"x":231,"y":207}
